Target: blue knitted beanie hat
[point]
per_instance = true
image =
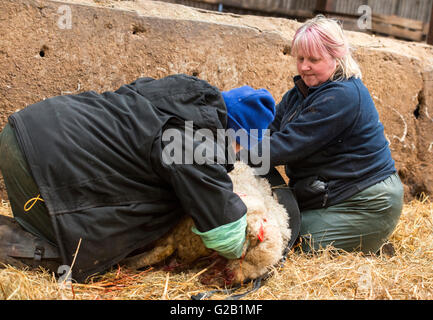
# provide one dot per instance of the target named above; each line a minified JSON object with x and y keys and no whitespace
{"x":248,"y":109}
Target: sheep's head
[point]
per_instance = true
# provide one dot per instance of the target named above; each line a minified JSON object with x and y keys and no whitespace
{"x":223,"y":272}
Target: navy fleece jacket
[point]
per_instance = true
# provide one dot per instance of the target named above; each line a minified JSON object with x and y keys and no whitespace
{"x":330,"y":133}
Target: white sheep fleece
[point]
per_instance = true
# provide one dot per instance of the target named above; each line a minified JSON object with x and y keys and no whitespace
{"x":264,"y":212}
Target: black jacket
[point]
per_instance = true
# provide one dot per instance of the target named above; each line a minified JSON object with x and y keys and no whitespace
{"x":97,"y":160}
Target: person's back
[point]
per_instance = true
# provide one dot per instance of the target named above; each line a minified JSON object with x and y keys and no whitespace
{"x":97,"y":160}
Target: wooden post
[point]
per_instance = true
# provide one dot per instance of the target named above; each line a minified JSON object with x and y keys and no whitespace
{"x":430,"y":29}
{"x":325,"y":6}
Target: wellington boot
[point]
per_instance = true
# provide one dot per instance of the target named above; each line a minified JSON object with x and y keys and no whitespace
{"x":286,"y":197}
{"x":21,"y":249}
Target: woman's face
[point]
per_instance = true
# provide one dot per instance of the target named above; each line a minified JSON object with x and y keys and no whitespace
{"x":315,"y":70}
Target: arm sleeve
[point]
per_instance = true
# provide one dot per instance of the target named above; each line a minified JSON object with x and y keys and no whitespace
{"x":275,"y":125}
{"x":280,"y":110}
{"x":205,"y":192}
{"x":318,"y":124}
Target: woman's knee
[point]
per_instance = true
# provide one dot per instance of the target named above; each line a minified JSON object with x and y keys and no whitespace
{"x":350,"y":229}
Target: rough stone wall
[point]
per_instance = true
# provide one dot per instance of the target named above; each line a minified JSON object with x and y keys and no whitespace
{"x":41,"y":55}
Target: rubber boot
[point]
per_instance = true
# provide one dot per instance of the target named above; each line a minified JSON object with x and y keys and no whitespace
{"x":286,"y":197}
{"x":21,"y":249}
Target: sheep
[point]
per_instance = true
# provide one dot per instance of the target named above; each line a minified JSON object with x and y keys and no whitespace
{"x":268,"y":233}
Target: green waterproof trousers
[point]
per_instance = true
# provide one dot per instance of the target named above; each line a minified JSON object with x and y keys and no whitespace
{"x":360,"y":223}
{"x":27,"y":206}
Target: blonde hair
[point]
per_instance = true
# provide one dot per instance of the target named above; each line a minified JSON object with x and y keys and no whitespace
{"x":319,"y":36}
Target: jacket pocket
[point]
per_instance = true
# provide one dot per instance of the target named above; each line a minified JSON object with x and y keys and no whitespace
{"x":311,"y":188}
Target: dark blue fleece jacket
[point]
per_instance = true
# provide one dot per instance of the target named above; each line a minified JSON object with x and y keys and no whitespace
{"x":330,"y":140}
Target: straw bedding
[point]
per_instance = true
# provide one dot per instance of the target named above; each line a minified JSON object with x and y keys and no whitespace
{"x":327,"y":274}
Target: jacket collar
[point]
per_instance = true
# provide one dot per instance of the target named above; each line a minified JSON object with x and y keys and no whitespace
{"x":300,"y":84}
{"x":303,"y":88}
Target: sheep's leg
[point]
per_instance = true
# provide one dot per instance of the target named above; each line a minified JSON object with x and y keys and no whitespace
{"x":157,"y":254}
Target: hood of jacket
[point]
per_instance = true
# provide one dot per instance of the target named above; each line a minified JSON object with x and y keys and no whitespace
{"x":186,"y":98}
{"x":96,"y":161}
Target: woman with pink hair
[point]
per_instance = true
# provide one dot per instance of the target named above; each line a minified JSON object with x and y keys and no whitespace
{"x":328,"y":135}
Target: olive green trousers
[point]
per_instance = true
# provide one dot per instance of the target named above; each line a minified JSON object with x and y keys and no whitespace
{"x":360,"y":223}
{"x":27,"y":206}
